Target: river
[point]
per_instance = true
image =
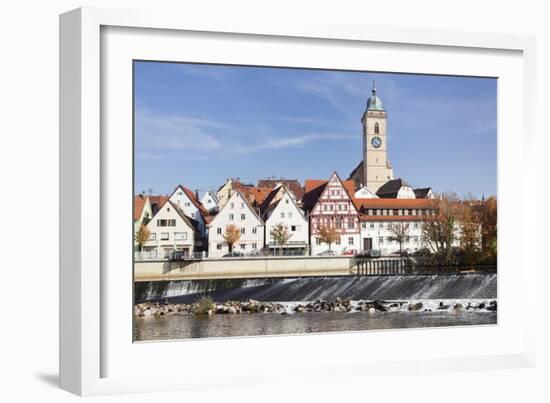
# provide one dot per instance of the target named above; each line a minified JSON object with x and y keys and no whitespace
{"x":431,"y":290}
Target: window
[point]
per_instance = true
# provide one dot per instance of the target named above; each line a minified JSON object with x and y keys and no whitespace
{"x":242,"y":205}
{"x":166,"y":223}
{"x":187,"y":204}
{"x":415,"y":239}
{"x":381,"y":239}
{"x":330,"y":207}
{"x":381,"y":225}
{"x":286,"y":201}
{"x":219,"y":231}
{"x":338,"y":241}
{"x":168,"y":209}
{"x":243,"y":216}
{"x":153,"y":236}
{"x":164,"y":236}
{"x":351,"y":225}
{"x":376,"y":128}
{"x":289,"y":214}
{"x":350,"y":241}
{"x":372,"y":225}
{"x":254,"y":230}
{"x":293,"y":228}
{"x":180,"y":236}
{"x":364,"y":225}
{"x":219,"y":246}
{"x":317,"y":241}
{"x":243,"y":246}
{"x":416,"y":225}
{"x":324,"y":207}
{"x":231,"y":216}
{"x":232,"y":205}
{"x":192,"y":215}
{"x":339,"y":207}
{"x":243,"y":230}
{"x":254,"y":245}
{"x":282,"y":215}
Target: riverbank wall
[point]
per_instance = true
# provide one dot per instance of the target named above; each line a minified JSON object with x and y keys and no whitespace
{"x":252,"y":267}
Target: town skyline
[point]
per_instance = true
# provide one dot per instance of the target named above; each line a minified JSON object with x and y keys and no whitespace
{"x":220,"y":122}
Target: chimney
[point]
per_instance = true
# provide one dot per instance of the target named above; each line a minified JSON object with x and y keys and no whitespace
{"x":197,"y":194}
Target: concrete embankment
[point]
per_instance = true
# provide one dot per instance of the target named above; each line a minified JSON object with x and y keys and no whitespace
{"x":253,"y":267}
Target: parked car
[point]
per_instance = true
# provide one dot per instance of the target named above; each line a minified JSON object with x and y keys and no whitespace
{"x":350,"y":252}
{"x":177,"y":255}
{"x":233,"y":254}
{"x":370,"y":253}
{"x":327,"y":252}
{"x":404,"y":252}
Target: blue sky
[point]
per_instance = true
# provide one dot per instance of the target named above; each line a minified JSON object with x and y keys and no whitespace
{"x":200,"y":124}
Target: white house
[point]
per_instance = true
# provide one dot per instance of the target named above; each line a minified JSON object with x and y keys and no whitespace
{"x":396,"y":189}
{"x":377,"y":216}
{"x":239,"y":212}
{"x":171,"y":230}
{"x":210,"y":201}
{"x":280,"y":208}
{"x":189,"y":204}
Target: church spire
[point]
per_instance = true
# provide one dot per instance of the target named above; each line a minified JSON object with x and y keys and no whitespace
{"x":374,"y":102}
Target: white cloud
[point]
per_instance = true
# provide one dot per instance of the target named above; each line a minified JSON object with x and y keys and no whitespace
{"x":166,"y":136}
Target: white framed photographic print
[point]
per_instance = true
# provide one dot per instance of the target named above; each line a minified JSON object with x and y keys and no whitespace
{"x":252,"y":193}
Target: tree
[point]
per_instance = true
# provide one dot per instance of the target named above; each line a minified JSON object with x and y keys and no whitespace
{"x":440,"y":223}
{"x":488,"y":219}
{"x":142,"y":236}
{"x":231,"y":236}
{"x":399,"y":232}
{"x":280,"y":235}
{"x":469,"y":234}
{"x":328,"y":235}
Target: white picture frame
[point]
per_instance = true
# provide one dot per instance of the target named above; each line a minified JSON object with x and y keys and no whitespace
{"x":91,"y":344}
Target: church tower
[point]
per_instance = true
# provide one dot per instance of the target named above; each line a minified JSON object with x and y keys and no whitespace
{"x":376,"y":167}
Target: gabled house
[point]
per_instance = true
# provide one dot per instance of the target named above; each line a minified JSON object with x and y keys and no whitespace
{"x":210,"y":201}
{"x":280,"y":207}
{"x":293,"y":185}
{"x":237,"y":211}
{"x":187,"y":201}
{"x":330,"y":204}
{"x":142,"y":211}
{"x":172,"y":230}
{"x":396,"y":189}
{"x":424,"y":193}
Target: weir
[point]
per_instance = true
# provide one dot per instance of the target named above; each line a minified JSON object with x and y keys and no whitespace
{"x":409,"y":287}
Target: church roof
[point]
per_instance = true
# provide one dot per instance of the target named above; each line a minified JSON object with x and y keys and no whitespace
{"x":391,"y":188}
{"x":374,"y":103}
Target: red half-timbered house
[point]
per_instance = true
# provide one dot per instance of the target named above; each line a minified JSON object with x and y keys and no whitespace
{"x":329,"y":203}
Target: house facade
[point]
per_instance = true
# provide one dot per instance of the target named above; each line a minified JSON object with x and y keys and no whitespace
{"x":329,"y":204}
{"x":187,"y":201}
{"x":210,"y":201}
{"x":171,"y":230}
{"x":237,"y":211}
{"x":280,"y":207}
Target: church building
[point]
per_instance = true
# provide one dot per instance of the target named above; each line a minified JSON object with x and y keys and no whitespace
{"x":373,"y":177}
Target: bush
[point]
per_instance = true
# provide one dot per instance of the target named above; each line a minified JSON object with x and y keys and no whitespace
{"x":203,"y":305}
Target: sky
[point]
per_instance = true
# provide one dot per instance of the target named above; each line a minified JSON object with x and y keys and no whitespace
{"x":198,"y":124}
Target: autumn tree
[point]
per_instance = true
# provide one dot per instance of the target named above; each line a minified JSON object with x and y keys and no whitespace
{"x":280,"y":235}
{"x":328,"y":235}
{"x":440,"y":223}
{"x":488,"y":220}
{"x":142,"y":236}
{"x":231,"y":236}
{"x":399,"y":233}
{"x":469,"y":229}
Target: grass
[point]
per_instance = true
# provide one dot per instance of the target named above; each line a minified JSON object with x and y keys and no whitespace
{"x":203,"y":305}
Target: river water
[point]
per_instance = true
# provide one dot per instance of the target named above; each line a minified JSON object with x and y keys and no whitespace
{"x":177,"y":326}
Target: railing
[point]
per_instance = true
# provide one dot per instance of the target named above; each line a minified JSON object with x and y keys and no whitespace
{"x":407,"y":266}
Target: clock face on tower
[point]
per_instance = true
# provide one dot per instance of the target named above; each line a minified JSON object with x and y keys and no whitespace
{"x":376,"y":142}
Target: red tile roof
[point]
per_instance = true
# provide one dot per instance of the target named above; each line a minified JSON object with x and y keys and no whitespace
{"x":292,"y":184}
{"x":139,"y":203}
{"x":191,"y":195}
{"x":311,"y":184}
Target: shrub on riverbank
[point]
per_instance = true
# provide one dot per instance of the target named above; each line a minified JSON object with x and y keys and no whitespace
{"x":203,"y":306}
